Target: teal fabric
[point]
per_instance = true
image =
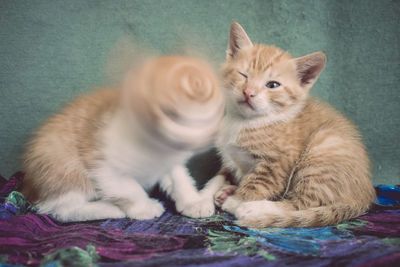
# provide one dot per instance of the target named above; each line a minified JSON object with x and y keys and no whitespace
{"x":51,"y":51}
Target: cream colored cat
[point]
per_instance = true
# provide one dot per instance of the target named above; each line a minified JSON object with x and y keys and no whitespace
{"x":99,"y":156}
{"x":289,"y":159}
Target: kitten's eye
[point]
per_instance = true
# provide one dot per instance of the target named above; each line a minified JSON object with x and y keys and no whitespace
{"x":244,"y":75}
{"x":272,"y":84}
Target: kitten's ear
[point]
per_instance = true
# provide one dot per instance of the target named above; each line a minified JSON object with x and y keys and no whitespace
{"x":237,"y":40}
{"x":309,"y":68}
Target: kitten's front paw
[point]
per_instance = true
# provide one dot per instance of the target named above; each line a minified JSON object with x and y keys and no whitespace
{"x":223,"y":193}
{"x":230,"y":205}
{"x":145,"y":210}
{"x":198,"y":209}
{"x":253,"y":209}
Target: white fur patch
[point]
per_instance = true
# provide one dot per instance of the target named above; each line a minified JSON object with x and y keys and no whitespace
{"x":128,"y":153}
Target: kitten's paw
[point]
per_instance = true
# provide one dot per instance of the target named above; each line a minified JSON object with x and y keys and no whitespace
{"x":199,"y":209}
{"x":230,"y":205}
{"x":145,"y":210}
{"x":223,"y":193}
{"x":253,"y":209}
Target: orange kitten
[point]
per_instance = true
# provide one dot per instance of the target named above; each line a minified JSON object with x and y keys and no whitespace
{"x":100,"y":155}
{"x":293,"y":160}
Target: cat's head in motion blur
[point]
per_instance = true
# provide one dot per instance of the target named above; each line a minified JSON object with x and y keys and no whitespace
{"x":176,"y":99}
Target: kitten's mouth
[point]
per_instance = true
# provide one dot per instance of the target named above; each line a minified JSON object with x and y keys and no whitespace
{"x":246,"y":102}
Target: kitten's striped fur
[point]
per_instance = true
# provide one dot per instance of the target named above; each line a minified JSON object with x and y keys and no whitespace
{"x":296,"y":161}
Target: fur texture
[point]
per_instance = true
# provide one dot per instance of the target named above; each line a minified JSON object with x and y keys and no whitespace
{"x":99,"y":156}
{"x":293,"y":161}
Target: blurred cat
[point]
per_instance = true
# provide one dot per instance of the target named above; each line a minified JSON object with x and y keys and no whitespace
{"x":289,"y":160}
{"x":101,"y":155}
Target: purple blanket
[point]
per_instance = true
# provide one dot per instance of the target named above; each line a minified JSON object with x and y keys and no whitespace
{"x":28,"y":238}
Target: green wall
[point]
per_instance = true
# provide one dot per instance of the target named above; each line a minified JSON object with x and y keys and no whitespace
{"x":51,"y":51}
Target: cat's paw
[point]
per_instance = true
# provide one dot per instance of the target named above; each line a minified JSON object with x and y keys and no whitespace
{"x":231,"y":204}
{"x":198,"y":209}
{"x":223,"y":193}
{"x":146,"y":210}
{"x":253,"y":209}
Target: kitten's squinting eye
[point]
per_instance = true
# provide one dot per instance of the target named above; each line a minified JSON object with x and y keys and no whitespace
{"x":244,"y":75}
{"x":272,"y":84}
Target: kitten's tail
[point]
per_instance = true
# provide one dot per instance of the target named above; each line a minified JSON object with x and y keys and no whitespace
{"x":312,"y":217}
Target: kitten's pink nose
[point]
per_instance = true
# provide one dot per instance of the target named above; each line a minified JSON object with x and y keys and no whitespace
{"x":249,"y":93}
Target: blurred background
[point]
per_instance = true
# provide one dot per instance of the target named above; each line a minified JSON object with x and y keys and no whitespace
{"x":51,"y":51}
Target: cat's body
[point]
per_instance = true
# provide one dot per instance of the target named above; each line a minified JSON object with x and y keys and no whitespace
{"x":100,"y":156}
{"x":291,"y":160}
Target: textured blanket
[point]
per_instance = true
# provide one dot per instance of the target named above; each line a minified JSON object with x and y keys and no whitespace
{"x":28,"y":238}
